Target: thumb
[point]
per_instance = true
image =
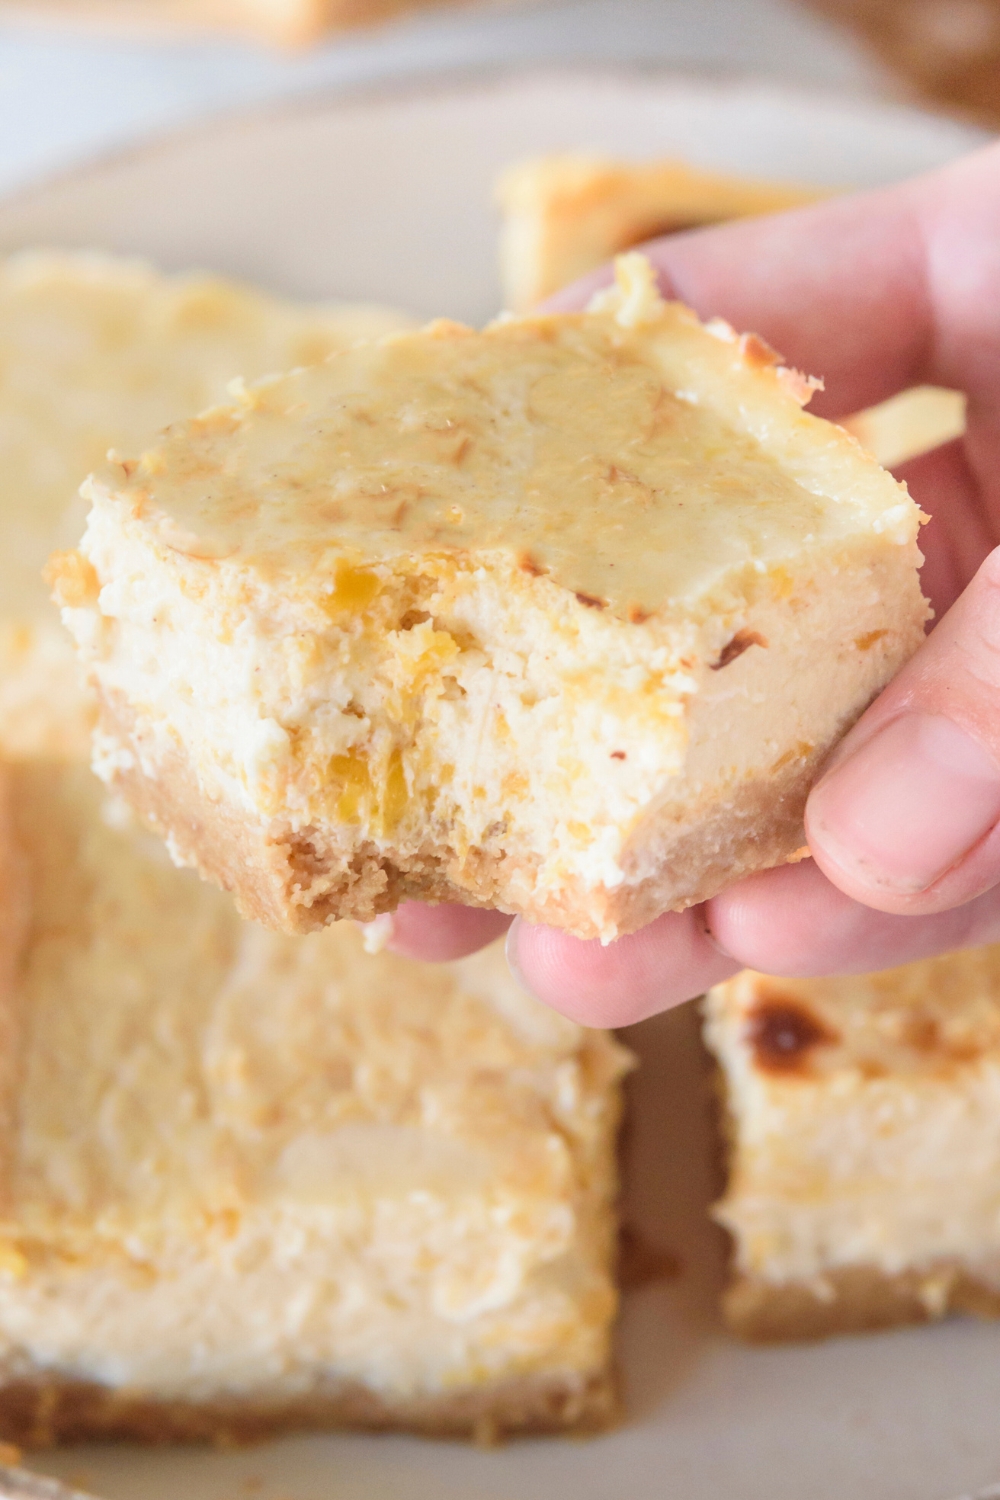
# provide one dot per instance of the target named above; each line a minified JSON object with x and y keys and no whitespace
{"x":906,"y":817}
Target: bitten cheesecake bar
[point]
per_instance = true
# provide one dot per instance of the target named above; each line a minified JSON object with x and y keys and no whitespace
{"x":560,"y":617}
{"x":863,"y":1118}
{"x":563,"y":216}
{"x":98,"y":352}
{"x":250,"y":1182}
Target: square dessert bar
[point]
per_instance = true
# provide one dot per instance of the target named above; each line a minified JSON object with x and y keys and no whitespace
{"x":566,"y":215}
{"x":284,"y":23}
{"x":98,"y":352}
{"x":863,"y":1121}
{"x":251,"y":1182}
{"x":560,"y":617}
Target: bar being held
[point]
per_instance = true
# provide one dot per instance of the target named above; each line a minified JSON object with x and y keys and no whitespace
{"x":561,"y":617}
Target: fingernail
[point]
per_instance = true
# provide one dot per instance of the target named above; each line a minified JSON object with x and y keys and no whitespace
{"x":906,"y":807}
{"x":513,"y":958}
{"x":377,"y":934}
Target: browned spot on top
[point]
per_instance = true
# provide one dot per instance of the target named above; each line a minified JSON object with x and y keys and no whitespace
{"x":529,"y":564}
{"x":757,"y":353}
{"x":641,"y":1262}
{"x":636,"y":615}
{"x":129,"y":465}
{"x":866,"y":642}
{"x":617,"y":475}
{"x":798,"y":385}
{"x":931,"y":1036}
{"x":922,"y":1033}
{"x":618,"y":755}
{"x":741,"y":641}
{"x":871,"y":1068}
{"x":592,"y":601}
{"x":782,"y":1032}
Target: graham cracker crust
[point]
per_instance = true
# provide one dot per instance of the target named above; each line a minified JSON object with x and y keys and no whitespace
{"x":299,"y":881}
{"x":852,"y":1299}
{"x":41,"y":1410}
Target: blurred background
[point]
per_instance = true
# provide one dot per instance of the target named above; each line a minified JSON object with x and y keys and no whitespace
{"x":81,"y":76}
{"x":340,"y":175}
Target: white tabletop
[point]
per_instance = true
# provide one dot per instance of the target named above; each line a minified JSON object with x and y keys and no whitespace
{"x":66,"y":96}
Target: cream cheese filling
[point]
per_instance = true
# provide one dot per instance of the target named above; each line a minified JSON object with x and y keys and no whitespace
{"x":299,"y":1297}
{"x":420,"y":701}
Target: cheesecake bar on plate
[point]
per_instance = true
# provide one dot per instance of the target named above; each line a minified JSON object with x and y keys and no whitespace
{"x":285,"y":23}
{"x":251,"y":1182}
{"x":560,"y":617}
{"x":99,"y":352}
{"x":863,"y":1123}
{"x":563,"y":216}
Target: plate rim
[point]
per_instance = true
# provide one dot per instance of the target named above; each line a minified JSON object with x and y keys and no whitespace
{"x":471,"y":78}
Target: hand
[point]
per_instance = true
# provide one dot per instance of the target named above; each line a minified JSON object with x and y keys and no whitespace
{"x":876,"y":293}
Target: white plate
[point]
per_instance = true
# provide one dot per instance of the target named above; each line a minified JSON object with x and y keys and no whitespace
{"x":387,"y":196}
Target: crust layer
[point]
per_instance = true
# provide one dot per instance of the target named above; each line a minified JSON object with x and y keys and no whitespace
{"x":299,"y":881}
{"x":853,"y":1299}
{"x":39,"y":1411}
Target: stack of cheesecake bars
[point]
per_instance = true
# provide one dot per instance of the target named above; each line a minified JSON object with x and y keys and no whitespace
{"x":251,"y":1181}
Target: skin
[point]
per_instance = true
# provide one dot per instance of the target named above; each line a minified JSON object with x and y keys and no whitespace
{"x":877,"y":292}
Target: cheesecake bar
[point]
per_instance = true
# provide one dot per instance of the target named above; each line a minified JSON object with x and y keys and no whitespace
{"x":863,"y":1125}
{"x":251,"y":1182}
{"x":560,"y":617}
{"x":284,"y":23}
{"x":98,"y":352}
{"x":562,"y":216}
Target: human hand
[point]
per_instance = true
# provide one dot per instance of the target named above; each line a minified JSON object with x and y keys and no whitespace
{"x":877,"y":293}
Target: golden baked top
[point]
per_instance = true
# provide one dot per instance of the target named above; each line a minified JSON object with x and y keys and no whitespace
{"x":862,"y":1120}
{"x":565,"y":215}
{"x":630,"y":452}
{"x":97,"y":352}
{"x":925,"y":1018}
